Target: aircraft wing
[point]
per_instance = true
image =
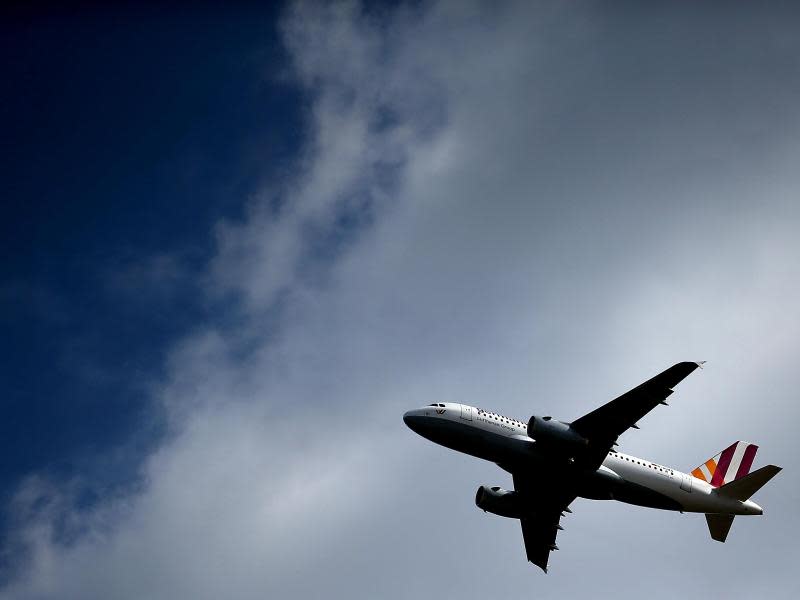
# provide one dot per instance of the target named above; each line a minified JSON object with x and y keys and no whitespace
{"x":540,"y":529}
{"x":604,"y":425}
{"x":601,"y":428}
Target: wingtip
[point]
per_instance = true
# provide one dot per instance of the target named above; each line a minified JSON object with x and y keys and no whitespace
{"x":700,"y":363}
{"x":535,"y":564}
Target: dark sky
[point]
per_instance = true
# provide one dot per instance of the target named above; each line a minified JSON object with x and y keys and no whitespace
{"x":127,"y":133}
{"x":239,"y":243}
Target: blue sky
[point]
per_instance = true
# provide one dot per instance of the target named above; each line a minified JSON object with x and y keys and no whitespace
{"x":129,"y":133}
{"x":239,"y":244}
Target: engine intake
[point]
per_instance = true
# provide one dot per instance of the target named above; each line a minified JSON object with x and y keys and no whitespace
{"x":501,"y":502}
{"x":552,"y":432}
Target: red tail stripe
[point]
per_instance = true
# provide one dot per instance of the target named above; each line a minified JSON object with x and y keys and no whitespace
{"x":722,"y":466}
{"x":747,"y":461}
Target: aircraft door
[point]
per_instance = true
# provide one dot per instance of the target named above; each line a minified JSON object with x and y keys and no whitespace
{"x":686,"y":482}
{"x":466,"y":412}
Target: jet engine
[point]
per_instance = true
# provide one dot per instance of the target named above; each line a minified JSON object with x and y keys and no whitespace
{"x":551,"y":432}
{"x":501,"y":502}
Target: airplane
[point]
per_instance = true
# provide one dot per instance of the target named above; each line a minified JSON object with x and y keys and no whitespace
{"x":553,"y":462}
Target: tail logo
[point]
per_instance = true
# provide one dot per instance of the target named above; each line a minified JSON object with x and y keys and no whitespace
{"x":729,"y":465}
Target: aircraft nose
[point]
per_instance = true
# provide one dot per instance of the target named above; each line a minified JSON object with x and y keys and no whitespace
{"x":413,"y":420}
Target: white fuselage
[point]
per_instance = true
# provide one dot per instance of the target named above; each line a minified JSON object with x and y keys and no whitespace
{"x":504,"y":440}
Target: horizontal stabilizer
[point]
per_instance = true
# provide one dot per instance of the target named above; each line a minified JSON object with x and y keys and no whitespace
{"x":743,"y":488}
{"x":719,"y":526}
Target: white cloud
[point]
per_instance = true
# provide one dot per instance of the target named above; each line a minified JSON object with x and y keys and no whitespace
{"x":504,"y":264}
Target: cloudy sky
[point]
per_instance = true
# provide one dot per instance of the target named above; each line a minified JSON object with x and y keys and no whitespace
{"x":239,"y":245}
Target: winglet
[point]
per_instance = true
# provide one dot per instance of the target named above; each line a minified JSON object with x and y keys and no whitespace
{"x":700,"y":363}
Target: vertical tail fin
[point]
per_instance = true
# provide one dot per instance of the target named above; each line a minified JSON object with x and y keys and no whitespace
{"x":729,"y":465}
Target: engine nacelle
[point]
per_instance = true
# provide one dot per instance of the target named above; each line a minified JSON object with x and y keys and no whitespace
{"x":549,"y":431}
{"x":501,"y":502}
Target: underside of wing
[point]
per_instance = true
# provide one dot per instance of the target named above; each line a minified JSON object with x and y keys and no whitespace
{"x":541,"y":527}
{"x":603,"y":425}
{"x":539,"y":533}
{"x":599,"y":431}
